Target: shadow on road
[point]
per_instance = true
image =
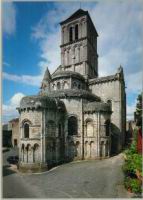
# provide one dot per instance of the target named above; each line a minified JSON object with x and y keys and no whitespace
{"x":7,"y":171}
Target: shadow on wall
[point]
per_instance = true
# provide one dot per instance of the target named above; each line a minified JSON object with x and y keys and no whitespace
{"x":115,"y":139}
{"x":7,"y":171}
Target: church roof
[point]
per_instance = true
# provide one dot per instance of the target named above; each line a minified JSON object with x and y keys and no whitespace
{"x":67,"y":74}
{"x":73,"y":93}
{"x":103,"y":79}
{"x":38,"y":101}
{"x":47,"y":75}
{"x":118,"y":76}
{"x":97,"y":106}
{"x":75,"y":15}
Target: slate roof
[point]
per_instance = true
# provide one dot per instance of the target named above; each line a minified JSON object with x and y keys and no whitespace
{"x":103,"y":79}
{"x":47,"y":75}
{"x":74,"y":93}
{"x":41,"y":101}
{"x":97,"y":106}
{"x":75,"y":15}
{"x":67,"y":74}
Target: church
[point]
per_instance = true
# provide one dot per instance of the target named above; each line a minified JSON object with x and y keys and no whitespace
{"x":76,"y":115}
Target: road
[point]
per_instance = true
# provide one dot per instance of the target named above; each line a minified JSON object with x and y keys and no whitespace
{"x":85,"y":179}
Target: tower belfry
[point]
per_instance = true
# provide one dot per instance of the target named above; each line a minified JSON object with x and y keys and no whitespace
{"x":79,"y":44}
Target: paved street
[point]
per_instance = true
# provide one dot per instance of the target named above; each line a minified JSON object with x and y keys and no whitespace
{"x":96,"y":179}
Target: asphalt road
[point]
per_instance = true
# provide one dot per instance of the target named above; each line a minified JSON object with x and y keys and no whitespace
{"x":86,"y":179}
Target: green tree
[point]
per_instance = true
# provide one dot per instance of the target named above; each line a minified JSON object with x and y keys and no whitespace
{"x":138,"y":112}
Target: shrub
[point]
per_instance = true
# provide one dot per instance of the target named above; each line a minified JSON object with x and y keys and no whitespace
{"x":133,"y":184}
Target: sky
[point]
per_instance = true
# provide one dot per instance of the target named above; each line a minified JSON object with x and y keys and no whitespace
{"x":31,"y":39}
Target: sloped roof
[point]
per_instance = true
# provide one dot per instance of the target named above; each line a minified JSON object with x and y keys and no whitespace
{"x":75,"y":15}
{"x":39,"y":101}
{"x":47,"y":75}
{"x":97,"y":106}
{"x":103,"y":79}
{"x":61,"y":74}
{"x":80,"y":93}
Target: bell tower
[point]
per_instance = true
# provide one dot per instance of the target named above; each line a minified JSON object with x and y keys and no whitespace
{"x":79,"y":44}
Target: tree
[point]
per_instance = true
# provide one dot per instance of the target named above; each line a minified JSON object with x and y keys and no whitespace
{"x":138,"y":112}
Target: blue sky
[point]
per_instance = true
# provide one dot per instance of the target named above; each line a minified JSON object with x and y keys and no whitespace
{"x":31,"y":39}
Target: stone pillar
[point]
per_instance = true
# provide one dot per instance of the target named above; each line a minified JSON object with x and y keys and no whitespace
{"x":98,"y":134}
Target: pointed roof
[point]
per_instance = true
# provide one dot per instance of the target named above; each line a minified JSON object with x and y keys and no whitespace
{"x":47,"y":75}
{"x":75,"y":15}
{"x":78,"y":14}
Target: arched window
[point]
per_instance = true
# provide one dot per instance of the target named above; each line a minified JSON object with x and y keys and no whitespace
{"x":58,"y":86}
{"x":107,"y":125}
{"x":36,"y":157}
{"x":110,"y":103}
{"x":54,"y":87}
{"x":26,"y":130}
{"x":72,"y":126}
{"x":71,"y":34}
{"x":75,"y":85}
{"x":66,"y":86}
{"x":89,"y":128}
{"x":76,"y":32}
{"x":60,"y":130}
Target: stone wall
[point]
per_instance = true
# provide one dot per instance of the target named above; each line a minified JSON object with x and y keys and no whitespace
{"x":111,"y":91}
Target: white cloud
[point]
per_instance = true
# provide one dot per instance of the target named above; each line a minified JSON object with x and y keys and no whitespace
{"x":134,"y":82}
{"x":8,"y":18}
{"x":9,"y":110}
{"x":130,"y":111}
{"x":6,"y":64}
{"x":25,"y":79}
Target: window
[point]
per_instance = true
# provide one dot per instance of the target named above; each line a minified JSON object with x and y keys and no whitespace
{"x":76,"y":32}
{"x":58,"y":86}
{"x":107,"y":124}
{"x":75,"y":85}
{"x":60,"y":130}
{"x":66,"y":85}
{"x":72,"y":126}
{"x":71,"y":34}
{"x":15,"y":142}
{"x":110,"y":103}
{"x":26,"y":130}
{"x":89,"y":128}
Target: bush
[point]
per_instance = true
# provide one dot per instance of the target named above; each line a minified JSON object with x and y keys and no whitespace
{"x":133,"y":163}
{"x":133,"y":184}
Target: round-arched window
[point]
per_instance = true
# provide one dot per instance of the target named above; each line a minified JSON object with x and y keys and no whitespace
{"x":110,"y":103}
{"x":58,"y":85}
{"x":76,"y":32}
{"x":72,"y":125}
{"x":26,"y":130}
